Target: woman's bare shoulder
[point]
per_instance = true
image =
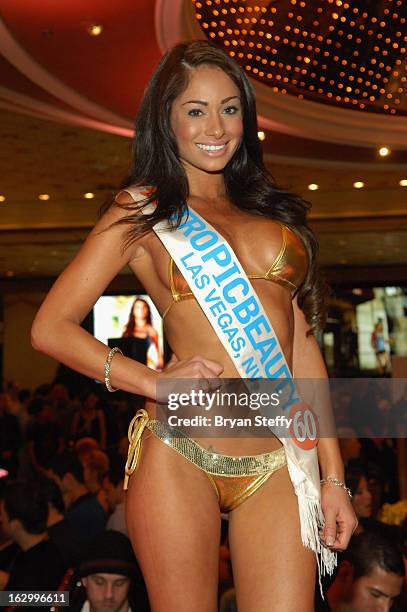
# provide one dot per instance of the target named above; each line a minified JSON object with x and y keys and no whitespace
{"x":128,"y":202}
{"x":123,"y":197}
{"x":132,"y":194}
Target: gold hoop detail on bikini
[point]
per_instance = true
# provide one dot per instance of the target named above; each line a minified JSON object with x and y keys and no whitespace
{"x":135,"y":431}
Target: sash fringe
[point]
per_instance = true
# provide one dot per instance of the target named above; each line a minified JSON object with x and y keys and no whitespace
{"x":312,"y":520}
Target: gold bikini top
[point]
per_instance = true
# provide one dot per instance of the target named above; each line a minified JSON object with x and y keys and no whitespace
{"x":288,"y":269}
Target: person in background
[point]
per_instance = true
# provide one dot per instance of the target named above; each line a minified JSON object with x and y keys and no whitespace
{"x":113,"y":485}
{"x":379,"y":346}
{"x":62,"y":406}
{"x":95,"y":467}
{"x":362,"y":502}
{"x":89,"y":420}
{"x":39,"y":565}
{"x":110,"y":576}
{"x":361,"y":495}
{"x":349,"y":445}
{"x":13,"y":401}
{"x":10,"y":438}
{"x":139,"y":325}
{"x":8,"y":548}
{"x":370,"y":575}
{"x":58,"y":528}
{"x":84,"y":448}
{"x":44,"y":436}
{"x":84,"y":513}
{"x":379,"y":455}
{"x":19,"y":409}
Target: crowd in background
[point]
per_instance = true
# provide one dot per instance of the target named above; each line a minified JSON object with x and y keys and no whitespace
{"x":62,"y":458}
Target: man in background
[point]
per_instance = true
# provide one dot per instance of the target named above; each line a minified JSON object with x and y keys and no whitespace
{"x":23,"y":515}
{"x":110,"y":576}
{"x":84,"y":513}
{"x":370,"y":576}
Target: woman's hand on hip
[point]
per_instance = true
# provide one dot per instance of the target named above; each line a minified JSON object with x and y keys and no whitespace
{"x":194,"y":367}
{"x":202,"y":374}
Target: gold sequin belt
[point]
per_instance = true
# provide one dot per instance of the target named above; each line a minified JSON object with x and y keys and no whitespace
{"x":210,"y":462}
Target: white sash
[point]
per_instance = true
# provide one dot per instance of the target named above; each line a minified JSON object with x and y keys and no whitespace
{"x":226,"y":296}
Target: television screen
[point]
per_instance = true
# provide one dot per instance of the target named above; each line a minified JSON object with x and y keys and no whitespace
{"x":132,"y":323}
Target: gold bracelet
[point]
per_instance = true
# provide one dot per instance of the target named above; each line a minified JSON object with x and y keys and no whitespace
{"x":108,"y":365}
{"x":337,"y":483}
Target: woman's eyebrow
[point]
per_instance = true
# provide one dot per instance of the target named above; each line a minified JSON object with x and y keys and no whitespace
{"x":229,"y":98}
{"x":206,"y":103}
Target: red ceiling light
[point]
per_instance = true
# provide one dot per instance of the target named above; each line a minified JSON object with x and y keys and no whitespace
{"x":94,"y":29}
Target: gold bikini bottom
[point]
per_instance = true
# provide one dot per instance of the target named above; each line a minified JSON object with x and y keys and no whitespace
{"x":233,"y":478}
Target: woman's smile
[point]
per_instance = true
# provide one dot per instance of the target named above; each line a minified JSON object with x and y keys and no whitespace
{"x":213,"y":150}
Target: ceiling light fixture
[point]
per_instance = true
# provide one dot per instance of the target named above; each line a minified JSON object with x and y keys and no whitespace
{"x":384,"y":151}
{"x":43,"y":196}
{"x":403,"y":183}
{"x":261,"y":135}
{"x":89,"y":195}
{"x":2,"y":198}
{"x":95,"y":29}
{"x":313,"y":186}
{"x":358,"y":184}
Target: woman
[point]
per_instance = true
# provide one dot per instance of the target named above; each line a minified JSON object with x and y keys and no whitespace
{"x":139,"y":326}
{"x":196,"y":145}
{"x":379,"y":346}
{"x":362,"y":502}
{"x":362,"y":497}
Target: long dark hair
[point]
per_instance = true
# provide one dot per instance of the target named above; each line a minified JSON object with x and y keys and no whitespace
{"x":248,"y":183}
{"x":131,"y":323}
{"x":354,"y":475}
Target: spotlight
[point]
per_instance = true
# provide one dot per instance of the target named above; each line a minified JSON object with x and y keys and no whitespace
{"x":89,"y":195}
{"x":358,"y":184}
{"x":43,"y":196}
{"x":261,"y":135}
{"x":384,"y":151}
{"x":95,"y":29}
{"x":313,"y":187}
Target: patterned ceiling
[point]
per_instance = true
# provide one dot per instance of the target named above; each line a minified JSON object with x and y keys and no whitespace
{"x":66,"y":103}
{"x":347,"y":54}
